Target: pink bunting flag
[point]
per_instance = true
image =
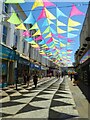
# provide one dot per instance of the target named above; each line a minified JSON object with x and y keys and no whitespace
{"x":26,"y":34}
{"x":39,"y":38}
{"x":42,"y":14}
{"x":69,"y":50}
{"x":75,"y":11}
{"x":60,"y":36}
{"x":48,"y":3}
{"x":50,"y":40}
{"x":69,"y":40}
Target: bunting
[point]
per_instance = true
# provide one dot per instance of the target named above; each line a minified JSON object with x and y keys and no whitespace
{"x":42,"y":14}
{"x":60,"y":13}
{"x":14,"y":19}
{"x":60,"y":30}
{"x":14,"y":1}
{"x":37,"y":3}
{"x":60,"y":23}
{"x":37,"y":33}
{"x":73,"y":23}
{"x":21,"y":27}
{"x":30,"y":19}
{"x":49,"y":15}
{"x":72,"y":29}
{"x":35,"y":26}
{"x":75,"y":11}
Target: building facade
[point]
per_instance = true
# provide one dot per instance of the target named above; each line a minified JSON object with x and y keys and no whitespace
{"x":16,"y":55}
{"x":82,"y":55}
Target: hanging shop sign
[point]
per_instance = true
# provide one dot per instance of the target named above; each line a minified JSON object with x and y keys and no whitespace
{"x":23,"y":61}
{"x":34,"y":66}
{"x":85,"y":57}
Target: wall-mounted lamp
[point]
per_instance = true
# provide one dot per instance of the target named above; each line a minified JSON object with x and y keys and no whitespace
{"x":87,"y":39}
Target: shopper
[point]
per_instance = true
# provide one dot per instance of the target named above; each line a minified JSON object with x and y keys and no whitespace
{"x":75,"y":78}
{"x":28,"y":79}
{"x":35,"y":79}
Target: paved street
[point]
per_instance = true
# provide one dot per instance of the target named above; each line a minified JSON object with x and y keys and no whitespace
{"x":51,"y":99}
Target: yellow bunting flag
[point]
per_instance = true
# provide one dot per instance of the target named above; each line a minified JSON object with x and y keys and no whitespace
{"x":14,"y":19}
{"x":62,"y":45}
{"x":73,"y":23}
{"x":49,"y":21}
{"x":49,"y":35}
{"x":37,"y":3}
{"x":21,"y":27}
{"x":60,"y":30}
{"x":49,"y":15}
{"x":60,"y":23}
{"x":72,"y":29}
{"x":15,"y":1}
{"x":37,"y":33}
{"x":35,"y":26}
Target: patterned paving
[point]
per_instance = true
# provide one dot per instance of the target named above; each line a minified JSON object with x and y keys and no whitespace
{"x":51,"y":99}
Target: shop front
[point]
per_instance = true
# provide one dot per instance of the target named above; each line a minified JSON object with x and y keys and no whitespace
{"x":35,"y":68}
{"x":84,"y":71}
{"x":7,"y":59}
{"x":23,"y":67}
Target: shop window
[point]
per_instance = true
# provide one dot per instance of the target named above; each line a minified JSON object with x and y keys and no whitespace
{"x":4,"y":34}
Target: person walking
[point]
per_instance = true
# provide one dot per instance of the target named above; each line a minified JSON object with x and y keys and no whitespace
{"x":35,"y":79}
{"x":28,"y":79}
{"x":75,"y":78}
{"x":24,"y":77}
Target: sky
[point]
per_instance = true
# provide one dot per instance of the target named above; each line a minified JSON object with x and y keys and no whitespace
{"x":65,"y":7}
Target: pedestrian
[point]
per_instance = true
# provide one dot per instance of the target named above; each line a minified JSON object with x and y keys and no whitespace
{"x":35,"y":79}
{"x":28,"y":79}
{"x":75,"y":78}
{"x":24,"y":77}
{"x":71,"y":76}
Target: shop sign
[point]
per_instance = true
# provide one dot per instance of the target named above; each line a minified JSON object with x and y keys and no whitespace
{"x":6,"y":53}
{"x":85,"y":57}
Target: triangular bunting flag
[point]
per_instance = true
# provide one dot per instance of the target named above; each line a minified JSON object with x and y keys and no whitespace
{"x":50,"y":22}
{"x":39,"y":38}
{"x":69,"y":40}
{"x":37,"y":3}
{"x":14,"y":1}
{"x":41,"y":43}
{"x":48,"y":3}
{"x":75,"y":11}
{"x":60,"y":30}
{"x":52,"y":31}
{"x":70,"y":35}
{"x":35,"y":26}
{"x":73,"y":23}
{"x":62,"y":45}
{"x":49,"y":35}
{"x":60,"y":23}
{"x":21,"y":27}
{"x":37,"y":33}
{"x":49,"y":15}
{"x":28,"y":40}
{"x":30,"y":19}
{"x":26,"y":34}
{"x":45,"y":23}
{"x":42,"y":14}
{"x":60,"y":13}
{"x":50,"y":40}
{"x":47,"y":30}
{"x":14,"y":19}
{"x":72,"y":29}
{"x":60,"y":36}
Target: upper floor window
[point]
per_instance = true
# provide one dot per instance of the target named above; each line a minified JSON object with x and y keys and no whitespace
{"x":4,"y":34}
{"x":5,"y":8}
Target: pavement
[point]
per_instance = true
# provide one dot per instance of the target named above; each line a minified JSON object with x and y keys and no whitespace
{"x":53,"y":98}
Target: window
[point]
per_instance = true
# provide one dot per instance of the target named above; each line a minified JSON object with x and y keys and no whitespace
{"x":24,"y":46}
{"x":5,"y":8}
{"x":4,"y":34}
